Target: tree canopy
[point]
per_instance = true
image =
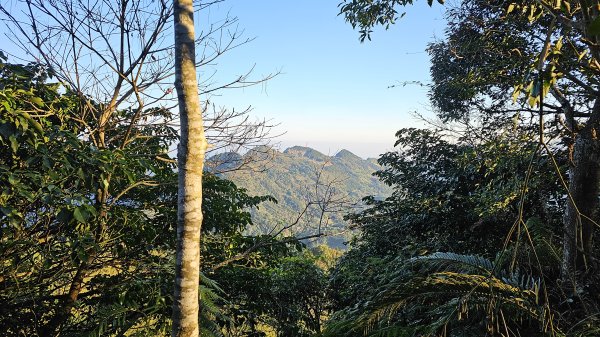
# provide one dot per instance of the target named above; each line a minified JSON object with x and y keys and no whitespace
{"x":510,"y":176}
{"x":51,"y":234}
{"x":490,"y":228}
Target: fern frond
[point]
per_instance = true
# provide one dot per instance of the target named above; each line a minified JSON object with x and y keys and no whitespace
{"x":210,"y":308}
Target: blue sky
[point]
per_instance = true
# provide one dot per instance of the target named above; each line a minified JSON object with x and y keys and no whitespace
{"x":333,"y":91}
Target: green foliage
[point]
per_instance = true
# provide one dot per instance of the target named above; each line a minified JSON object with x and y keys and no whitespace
{"x":227,"y":216}
{"x":58,"y":239}
{"x":505,"y":72}
{"x":108,"y":258}
{"x":284,"y":294}
{"x":480,"y":62}
{"x":367,"y":14}
{"x":460,"y":195}
{"x":299,"y":301}
{"x":211,"y":312}
{"x":445,"y":294}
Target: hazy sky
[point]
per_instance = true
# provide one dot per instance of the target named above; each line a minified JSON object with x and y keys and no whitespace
{"x":333,"y":91}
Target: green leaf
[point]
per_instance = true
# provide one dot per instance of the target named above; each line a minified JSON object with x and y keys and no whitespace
{"x":557,"y":4}
{"x":80,"y":173}
{"x":37,"y":101}
{"x":557,"y":46}
{"x":7,"y":210}
{"x":64,"y":216}
{"x":81,"y":214}
{"x":14,"y":144}
{"x":515,"y":121}
{"x":37,"y":126}
{"x":13,"y":180}
{"x":546,"y":88}
{"x":130,"y":176}
{"x":533,"y":100}
{"x":7,"y":106}
{"x":104,"y":183}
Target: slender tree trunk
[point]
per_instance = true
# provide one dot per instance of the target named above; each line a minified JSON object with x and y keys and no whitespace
{"x":191,"y":150}
{"x":581,"y":214}
{"x":579,"y":218}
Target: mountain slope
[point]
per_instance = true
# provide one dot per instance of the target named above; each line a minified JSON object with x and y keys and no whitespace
{"x":306,"y":182}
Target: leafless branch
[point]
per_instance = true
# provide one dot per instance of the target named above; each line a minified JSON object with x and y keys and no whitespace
{"x":119,"y":54}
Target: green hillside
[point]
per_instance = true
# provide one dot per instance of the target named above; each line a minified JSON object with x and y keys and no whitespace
{"x":312,"y":189}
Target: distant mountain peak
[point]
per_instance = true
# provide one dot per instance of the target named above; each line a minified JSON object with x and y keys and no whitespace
{"x":345,"y":154}
{"x":225,"y":161}
{"x":261,"y":149}
{"x":303,"y":151}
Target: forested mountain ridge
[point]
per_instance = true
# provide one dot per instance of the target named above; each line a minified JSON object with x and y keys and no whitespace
{"x":300,"y":179}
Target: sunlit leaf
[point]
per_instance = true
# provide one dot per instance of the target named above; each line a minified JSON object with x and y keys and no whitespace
{"x":510,"y":8}
{"x":37,"y":101}
{"x":14,"y":144}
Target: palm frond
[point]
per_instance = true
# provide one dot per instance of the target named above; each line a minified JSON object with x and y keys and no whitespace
{"x":452,"y":261}
{"x":463,"y":291}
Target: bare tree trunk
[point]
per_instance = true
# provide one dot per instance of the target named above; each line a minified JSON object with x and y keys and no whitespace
{"x":191,"y":151}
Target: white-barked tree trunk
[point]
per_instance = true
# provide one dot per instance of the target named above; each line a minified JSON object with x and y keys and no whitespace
{"x":190,"y":156}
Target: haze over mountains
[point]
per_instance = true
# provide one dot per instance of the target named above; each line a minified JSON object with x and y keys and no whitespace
{"x":314,"y":191}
